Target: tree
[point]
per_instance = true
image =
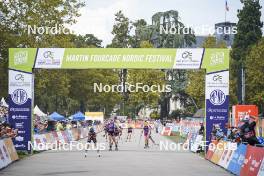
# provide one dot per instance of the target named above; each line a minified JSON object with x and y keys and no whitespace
{"x":121,"y":30}
{"x":254,"y":77}
{"x":17,"y":16}
{"x":88,"y":41}
{"x":248,"y":33}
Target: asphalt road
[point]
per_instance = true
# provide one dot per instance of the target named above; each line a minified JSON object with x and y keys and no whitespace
{"x":131,"y":160}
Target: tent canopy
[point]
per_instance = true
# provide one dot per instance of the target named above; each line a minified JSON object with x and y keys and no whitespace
{"x":38,"y":112}
{"x":3,"y":103}
{"x":56,"y":116}
{"x":79,"y":116}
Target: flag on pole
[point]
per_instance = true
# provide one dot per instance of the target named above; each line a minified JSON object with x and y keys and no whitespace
{"x":226,"y":6}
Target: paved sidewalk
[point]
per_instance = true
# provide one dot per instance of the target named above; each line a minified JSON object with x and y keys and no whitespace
{"x":130,"y":160}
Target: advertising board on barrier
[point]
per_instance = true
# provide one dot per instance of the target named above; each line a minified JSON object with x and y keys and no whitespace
{"x":11,"y":149}
{"x":166,"y":131}
{"x":227,"y":155}
{"x":211,"y":150}
{"x":237,"y":159}
{"x":218,"y":151}
{"x":197,"y":142}
{"x":252,"y":162}
{"x":261,"y":168}
{"x":5,"y":158}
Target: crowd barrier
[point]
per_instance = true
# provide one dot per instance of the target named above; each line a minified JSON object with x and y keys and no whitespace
{"x":8,"y":152}
{"x":184,"y":127}
{"x":246,"y":160}
{"x":61,"y":137}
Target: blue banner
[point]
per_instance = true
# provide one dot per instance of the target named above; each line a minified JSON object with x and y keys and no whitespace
{"x":237,"y":160}
{"x":217,"y":102}
{"x":20,"y":107}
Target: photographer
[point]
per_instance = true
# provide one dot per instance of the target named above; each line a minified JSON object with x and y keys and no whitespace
{"x":247,"y":130}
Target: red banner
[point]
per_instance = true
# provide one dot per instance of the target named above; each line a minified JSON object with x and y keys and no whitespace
{"x":166,"y":131}
{"x":239,"y":111}
{"x":252,"y":161}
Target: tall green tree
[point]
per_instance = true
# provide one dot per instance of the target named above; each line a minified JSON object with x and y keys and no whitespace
{"x":17,"y":16}
{"x":249,"y":32}
{"x":254,"y":77}
{"x":121,"y":31}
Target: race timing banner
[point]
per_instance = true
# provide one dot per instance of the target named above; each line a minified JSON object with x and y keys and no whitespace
{"x":23,"y":60}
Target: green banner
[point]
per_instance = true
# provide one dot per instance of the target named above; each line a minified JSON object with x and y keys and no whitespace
{"x":22,"y":58}
{"x":107,"y":58}
{"x":216,"y":60}
{"x":119,"y":58}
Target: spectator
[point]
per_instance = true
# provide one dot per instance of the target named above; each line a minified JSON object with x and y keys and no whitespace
{"x":247,"y":131}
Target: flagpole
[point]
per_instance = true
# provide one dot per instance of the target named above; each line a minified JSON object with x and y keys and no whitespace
{"x":225,"y":11}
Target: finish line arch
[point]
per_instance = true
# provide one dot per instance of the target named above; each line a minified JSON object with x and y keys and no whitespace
{"x":23,"y":60}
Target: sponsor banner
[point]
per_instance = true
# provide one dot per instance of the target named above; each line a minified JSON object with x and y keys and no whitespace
{"x":61,"y":138}
{"x":123,"y":125}
{"x":197,"y":142}
{"x":69,"y":135}
{"x":55,"y":136}
{"x":11,"y":149}
{"x":226,"y":156}
{"x":4,"y":155}
{"x":166,"y":131}
{"x":38,"y":142}
{"x":216,"y":60}
{"x":240,"y":111}
{"x":75,"y":134}
{"x":261,"y":168}
{"x":211,"y":150}
{"x":20,"y":105}
{"x":152,"y":58}
{"x":49,"y":58}
{"x":22,"y":58}
{"x":218,"y":152}
{"x":237,"y":159}
{"x":252,"y":162}
{"x":217,"y":101}
{"x":119,"y":58}
{"x":49,"y":138}
{"x":176,"y":128}
{"x":65,"y":137}
{"x":187,"y":58}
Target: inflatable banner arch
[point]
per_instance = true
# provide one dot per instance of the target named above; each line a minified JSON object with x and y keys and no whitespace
{"x":23,"y":60}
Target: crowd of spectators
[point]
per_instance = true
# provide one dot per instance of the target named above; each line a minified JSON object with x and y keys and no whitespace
{"x":6,"y":129}
{"x":3,"y":113}
{"x":45,"y":125}
{"x":244,"y":133}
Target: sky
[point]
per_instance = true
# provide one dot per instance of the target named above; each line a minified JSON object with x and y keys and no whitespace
{"x":97,"y":17}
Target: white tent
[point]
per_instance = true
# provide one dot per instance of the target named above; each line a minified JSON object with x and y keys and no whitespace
{"x":3,"y":103}
{"x":38,"y":112}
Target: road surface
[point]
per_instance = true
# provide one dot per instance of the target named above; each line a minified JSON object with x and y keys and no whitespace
{"x":130,"y":160}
